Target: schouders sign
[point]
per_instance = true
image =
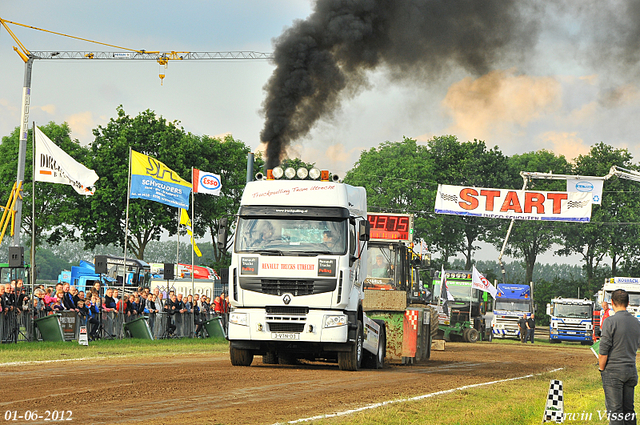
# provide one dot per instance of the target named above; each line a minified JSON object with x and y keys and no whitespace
{"x":518,"y":204}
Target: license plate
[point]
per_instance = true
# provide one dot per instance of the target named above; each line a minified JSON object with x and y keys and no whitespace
{"x":571,"y":333}
{"x":284,"y":335}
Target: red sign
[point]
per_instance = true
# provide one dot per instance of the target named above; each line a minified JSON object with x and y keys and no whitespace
{"x":391,"y":227}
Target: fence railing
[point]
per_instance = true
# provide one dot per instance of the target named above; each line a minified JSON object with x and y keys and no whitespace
{"x":21,"y":326}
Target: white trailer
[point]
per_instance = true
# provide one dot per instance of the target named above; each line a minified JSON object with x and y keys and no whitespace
{"x":296,"y":276}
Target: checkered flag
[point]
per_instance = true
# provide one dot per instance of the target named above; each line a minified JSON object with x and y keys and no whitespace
{"x":554,"y":410}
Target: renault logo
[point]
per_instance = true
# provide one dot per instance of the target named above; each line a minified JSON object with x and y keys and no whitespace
{"x":286,"y":299}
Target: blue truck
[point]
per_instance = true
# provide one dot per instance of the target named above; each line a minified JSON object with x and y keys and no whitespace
{"x":84,"y":274}
{"x":571,"y":320}
{"x":511,"y":303}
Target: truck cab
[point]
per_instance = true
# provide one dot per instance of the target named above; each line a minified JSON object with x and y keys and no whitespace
{"x":511,"y":303}
{"x":571,"y":320}
{"x":297,"y":274}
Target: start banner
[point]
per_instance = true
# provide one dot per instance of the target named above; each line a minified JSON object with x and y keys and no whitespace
{"x":509,"y":204}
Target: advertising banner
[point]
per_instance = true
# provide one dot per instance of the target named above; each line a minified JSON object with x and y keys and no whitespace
{"x":152,"y":180}
{"x":53,"y":165}
{"x":592,"y":186}
{"x":513,"y":204}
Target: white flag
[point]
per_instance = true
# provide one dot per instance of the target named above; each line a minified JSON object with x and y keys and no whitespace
{"x":53,"y":165}
{"x":208,"y":183}
{"x":482,"y":283}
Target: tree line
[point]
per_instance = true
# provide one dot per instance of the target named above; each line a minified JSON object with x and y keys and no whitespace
{"x":399,"y":177}
{"x":403,"y":177}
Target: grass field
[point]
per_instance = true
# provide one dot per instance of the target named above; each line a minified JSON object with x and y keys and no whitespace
{"x":513,"y":402}
{"x":47,"y":351}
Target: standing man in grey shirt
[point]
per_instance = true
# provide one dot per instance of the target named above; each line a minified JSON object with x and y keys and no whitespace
{"x":617,"y":360}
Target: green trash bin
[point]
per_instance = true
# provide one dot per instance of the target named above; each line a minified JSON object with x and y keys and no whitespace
{"x":138,"y":328}
{"x":214,"y":327}
{"x":50,"y":328}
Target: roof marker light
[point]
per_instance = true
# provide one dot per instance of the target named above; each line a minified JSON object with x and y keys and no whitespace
{"x":278,"y":172}
{"x":314,"y":173}
{"x":290,"y":173}
{"x":302,"y":173}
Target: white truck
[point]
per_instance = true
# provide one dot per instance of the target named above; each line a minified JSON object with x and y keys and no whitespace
{"x":297,"y":272}
{"x":571,"y":320}
{"x":629,"y":284}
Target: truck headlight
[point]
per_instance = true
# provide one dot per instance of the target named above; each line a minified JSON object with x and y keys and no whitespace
{"x":241,"y":319}
{"x":334,"y":321}
{"x":553,"y":331}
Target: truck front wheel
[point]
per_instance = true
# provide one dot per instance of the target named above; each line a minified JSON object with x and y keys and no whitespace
{"x":240,"y":357}
{"x":352,"y":359}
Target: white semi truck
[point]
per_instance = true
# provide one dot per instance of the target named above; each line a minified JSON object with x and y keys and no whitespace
{"x":629,"y":284}
{"x":571,"y":320}
{"x":297,"y":272}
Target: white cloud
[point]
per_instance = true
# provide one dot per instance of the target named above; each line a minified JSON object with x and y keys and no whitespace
{"x":81,"y":125}
{"x":499,"y":103}
{"x":563,"y":143}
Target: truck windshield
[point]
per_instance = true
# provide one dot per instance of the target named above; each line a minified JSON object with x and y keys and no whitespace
{"x":280,"y":236}
{"x":382,"y":264}
{"x":462,"y":292}
{"x":634,"y":298}
{"x":512,"y":305}
{"x":576,"y":311}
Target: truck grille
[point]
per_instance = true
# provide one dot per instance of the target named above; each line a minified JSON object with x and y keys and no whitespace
{"x":287,"y":310}
{"x":295,"y":287}
{"x":286,"y":327}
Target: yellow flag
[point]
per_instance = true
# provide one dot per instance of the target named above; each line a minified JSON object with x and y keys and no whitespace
{"x":195,"y":247}
{"x":184,"y":218}
{"x":186,"y":222}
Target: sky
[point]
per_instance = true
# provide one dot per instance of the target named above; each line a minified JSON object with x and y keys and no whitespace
{"x":572,"y":87}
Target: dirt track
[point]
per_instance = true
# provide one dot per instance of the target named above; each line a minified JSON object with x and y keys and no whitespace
{"x":207,"y":389}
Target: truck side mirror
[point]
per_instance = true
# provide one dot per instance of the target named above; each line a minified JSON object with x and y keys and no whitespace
{"x":222,"y":233}
{"x":549,"y":312}
{"x":364,"y":230}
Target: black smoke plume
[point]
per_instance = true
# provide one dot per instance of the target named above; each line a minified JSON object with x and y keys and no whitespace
{"x":327,"y":56}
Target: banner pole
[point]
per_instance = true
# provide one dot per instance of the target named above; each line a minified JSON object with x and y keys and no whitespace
{"x":126,"y":236}
{"x":32,"y":270}
{"x":193,"y":239}
{"x":178,"y":242}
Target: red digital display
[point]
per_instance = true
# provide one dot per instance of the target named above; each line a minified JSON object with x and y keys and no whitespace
{"x":390,"y":227}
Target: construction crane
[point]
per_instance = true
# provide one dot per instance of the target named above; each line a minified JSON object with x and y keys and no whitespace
{"x":28,"y":57}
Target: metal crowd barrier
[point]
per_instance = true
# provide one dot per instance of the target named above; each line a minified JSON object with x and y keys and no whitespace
{"x":15,"y":327}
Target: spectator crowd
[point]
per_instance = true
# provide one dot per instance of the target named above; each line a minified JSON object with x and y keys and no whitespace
{"x":91,"y":306}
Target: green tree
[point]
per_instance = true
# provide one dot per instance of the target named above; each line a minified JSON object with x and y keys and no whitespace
{"x":226,"y":157}
{"x":55,"y":204}
{"x":397,"y":177}
{"x":605,"y":234}
{"x":529,"y":239}
{"x":103,"y":215}
{"x":465,"y":164}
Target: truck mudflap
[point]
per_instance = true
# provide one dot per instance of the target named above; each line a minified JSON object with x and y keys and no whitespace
{"x":372,"y":331}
